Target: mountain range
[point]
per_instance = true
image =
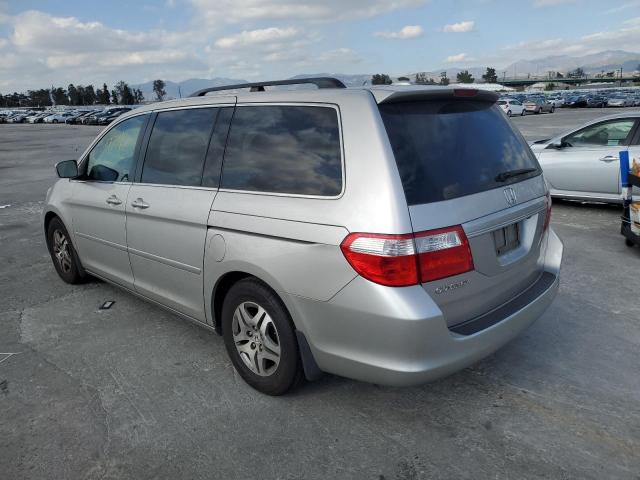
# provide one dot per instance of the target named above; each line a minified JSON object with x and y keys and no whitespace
{"x":594,"y":63}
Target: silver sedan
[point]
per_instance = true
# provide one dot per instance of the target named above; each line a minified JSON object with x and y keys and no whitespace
{"x":583,"y":163}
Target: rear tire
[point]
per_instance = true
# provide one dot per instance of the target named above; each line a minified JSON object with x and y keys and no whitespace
{"x":260,"y":338}
{"x":553,"y":109}
{"x":54,"y":121}
{"x":629,"y":243}
{"x":508,"y":113}
{"x":64,"y":256}
{"x":523,"y":112}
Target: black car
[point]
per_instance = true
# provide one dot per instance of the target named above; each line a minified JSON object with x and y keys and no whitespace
{"x":577,"y":101}
{"x":110,"y":118}
{"x":95,"y":119}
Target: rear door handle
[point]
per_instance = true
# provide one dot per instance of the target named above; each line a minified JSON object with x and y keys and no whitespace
{"x":139,"y":203}
{"x":113,"y":200}
{"x":609,"y":159}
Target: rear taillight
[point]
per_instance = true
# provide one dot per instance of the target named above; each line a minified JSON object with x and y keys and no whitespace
{"x":547,"y":213}
{"x":443,"y":253}
{"x":403,"y":260}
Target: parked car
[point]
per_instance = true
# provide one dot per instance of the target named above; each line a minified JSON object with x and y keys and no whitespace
{"x":106,"y":120}
{"x":583,"y":163}
{"x":576,"y":101}
{"x":19,"y":117}
{"x":58,"y":117}
{"x":95,"y":118}
{"x":38,"y":117}
{"x":402,"y":271}
{"x":596,"y":101}
{"x":557,"y":100}
{"x":620,"y":101}
{"x":511,"y":107}
{"x":77,"y":119}
{"x":538,"y":105}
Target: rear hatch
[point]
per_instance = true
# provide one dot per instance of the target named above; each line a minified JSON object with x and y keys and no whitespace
{"x":462,"y":163}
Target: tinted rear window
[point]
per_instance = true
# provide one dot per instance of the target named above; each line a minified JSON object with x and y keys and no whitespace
{"x":451,"y":148}
{"x":284,"y":149}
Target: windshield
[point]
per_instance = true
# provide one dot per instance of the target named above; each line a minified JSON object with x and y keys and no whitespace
{"x":451,"y":148}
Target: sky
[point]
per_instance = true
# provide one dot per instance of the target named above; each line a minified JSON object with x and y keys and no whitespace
{"x":57,"y":42}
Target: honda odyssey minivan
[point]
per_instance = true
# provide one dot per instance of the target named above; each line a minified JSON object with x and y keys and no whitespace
{"x":391,"y":234}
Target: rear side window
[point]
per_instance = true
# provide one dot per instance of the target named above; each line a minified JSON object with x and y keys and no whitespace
{"x":177,"y":147}
{"x":446,"y":149}
{"x":284,"y":149}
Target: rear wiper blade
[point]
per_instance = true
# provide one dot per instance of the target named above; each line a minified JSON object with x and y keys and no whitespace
{"x":504,"y":176}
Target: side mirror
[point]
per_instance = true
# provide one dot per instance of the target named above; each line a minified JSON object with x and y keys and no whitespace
{"x":67,"y":169}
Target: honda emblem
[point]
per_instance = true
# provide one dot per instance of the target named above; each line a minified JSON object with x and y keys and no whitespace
{"x":510,"y":196}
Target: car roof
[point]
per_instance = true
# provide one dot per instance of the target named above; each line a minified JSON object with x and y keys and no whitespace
{"x":381,"y":94}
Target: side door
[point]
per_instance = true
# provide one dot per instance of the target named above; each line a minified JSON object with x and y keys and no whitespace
{"x":99,"y":198}
{"x":169,"y":205}
{"x":588,"y":161}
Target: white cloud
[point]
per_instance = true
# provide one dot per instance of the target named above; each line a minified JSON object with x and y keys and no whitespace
{"x":405,"y":33}
{"x":456,"y":58}
{"x":252,"y":37}
{"x":217,"y":12}
{"x":461,"y":27}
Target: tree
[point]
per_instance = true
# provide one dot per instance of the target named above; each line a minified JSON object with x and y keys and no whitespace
{"x":464,"y":77}
{"x":138,"y":96}
{"x":124,"y":93}
{"x":103,"y":97}
{"x":114,"y":97}
{"x":490,"y":76}
{"x":158,"y":89}
{"x":444,"y":81}
{"x":381,"y":79}
{"x":404,"y":79}
{"x":549,"y":86}
{"x":60,"y":96}
{"x":89,"y":95}
{"x":74,"y":96}
{"x":422,"y":79}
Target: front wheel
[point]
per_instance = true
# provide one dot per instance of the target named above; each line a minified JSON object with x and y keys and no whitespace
{"x":54,"y":121}
{"x":260,"y":338}
{"x":523,"y":112}
{"x":539,"y":111}
{"x":553,"y":109}
{"x":628,"y":243}
{"x":509,"y":113}
{"x":65,"y":259}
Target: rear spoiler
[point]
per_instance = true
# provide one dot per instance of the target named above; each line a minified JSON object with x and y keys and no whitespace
{"x":432,"y":93}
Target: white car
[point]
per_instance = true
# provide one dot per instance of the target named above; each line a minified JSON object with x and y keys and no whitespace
{"x":511,"y":107}
{"x":620,"y":102}
{"x":58,"y":117}
{"x":583,"y":164}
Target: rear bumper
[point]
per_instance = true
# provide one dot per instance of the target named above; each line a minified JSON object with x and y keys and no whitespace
{"x":398,"y":336}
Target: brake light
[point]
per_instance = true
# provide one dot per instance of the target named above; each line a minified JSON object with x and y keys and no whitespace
{"x":443,"y":253}
{"x":403,"y":260}
{"x":465,"y":92}
{"x":547,"y":214}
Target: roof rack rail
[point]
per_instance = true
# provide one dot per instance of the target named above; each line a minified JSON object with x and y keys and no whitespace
{"x":320,"y":82}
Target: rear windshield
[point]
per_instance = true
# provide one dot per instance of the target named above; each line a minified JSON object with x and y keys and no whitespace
{"x":451,"y":148}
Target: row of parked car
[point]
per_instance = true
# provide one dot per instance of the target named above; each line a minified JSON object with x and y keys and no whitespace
{"x":523,"y":103}
{"x":94,"y":116}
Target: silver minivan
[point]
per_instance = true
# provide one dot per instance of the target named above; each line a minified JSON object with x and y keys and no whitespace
{"x":391,"y":234}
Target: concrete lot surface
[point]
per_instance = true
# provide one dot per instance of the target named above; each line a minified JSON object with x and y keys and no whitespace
{"x":134,"y":392}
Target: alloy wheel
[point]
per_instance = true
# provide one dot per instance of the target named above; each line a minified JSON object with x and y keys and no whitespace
{"x":256,"y":338}
{"x":61,"y":251}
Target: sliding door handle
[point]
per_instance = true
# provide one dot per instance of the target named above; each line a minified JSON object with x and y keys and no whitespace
{"x":113,"y":200}
{"x":139,"y":203}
